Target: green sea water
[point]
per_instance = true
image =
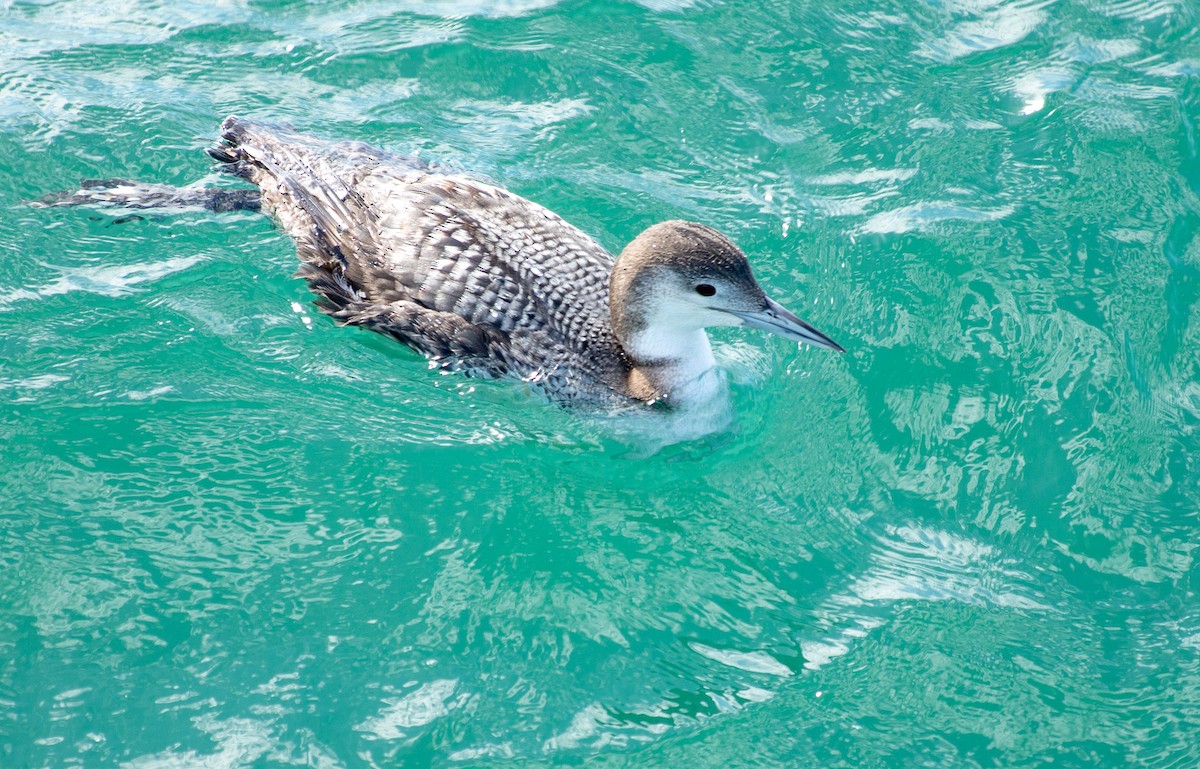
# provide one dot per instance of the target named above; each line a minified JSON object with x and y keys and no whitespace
{"x":233,"y":534}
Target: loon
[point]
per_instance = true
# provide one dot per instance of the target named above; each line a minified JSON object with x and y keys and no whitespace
{"x":480,"y":279}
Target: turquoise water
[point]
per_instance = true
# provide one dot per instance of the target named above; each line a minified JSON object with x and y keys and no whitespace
{"x":235,"y":535}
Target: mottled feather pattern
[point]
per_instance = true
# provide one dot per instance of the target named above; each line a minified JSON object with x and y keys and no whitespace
{"x":477,"y":278}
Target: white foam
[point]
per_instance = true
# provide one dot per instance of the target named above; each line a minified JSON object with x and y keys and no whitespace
{"x":920,"y":215}
{"x":112,"y":280}
{"x":751,"y":661}
{"x":418,"y":708}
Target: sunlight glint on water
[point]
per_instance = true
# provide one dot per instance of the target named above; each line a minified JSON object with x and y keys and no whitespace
{"x":233,"y":534}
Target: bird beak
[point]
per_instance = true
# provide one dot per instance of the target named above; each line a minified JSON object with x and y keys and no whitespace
{"x":779,"y":321}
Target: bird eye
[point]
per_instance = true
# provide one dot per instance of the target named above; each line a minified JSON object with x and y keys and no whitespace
{"x":705,"y":289}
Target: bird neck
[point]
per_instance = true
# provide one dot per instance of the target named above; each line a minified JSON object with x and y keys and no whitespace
{"x":670,"y":364}
{"x":666,"y":345}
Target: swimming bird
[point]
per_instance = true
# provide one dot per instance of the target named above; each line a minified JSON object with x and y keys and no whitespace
{"x":482,"y":280}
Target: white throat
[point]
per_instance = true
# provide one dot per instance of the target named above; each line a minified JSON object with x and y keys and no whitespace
{"x":675,"y":360}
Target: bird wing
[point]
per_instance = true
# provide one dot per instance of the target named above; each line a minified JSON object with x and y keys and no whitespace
{"x":453,"y":267}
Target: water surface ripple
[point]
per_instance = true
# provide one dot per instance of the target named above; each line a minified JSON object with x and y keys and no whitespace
{"x":235,"y":535}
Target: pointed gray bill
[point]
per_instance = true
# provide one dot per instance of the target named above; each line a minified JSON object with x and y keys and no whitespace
{"x":777,"y":320}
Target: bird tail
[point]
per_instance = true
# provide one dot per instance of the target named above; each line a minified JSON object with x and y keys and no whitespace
{"x":278,"y":160}
{"x":306,"y":183}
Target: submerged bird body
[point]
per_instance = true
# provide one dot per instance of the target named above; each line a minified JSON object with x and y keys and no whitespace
{"x":484,"y":281}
